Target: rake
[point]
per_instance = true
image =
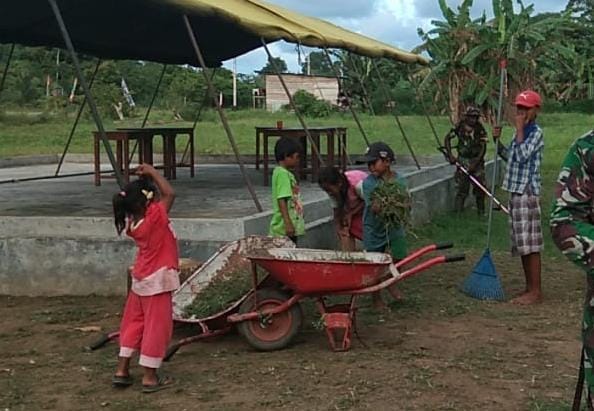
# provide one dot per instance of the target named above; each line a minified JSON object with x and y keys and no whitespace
{"x":484,"y":282}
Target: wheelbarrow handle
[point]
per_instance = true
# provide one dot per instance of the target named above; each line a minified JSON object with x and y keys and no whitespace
{"x":444,"y":245}
{"x":415,"y":255}
{"x":454,"y":258}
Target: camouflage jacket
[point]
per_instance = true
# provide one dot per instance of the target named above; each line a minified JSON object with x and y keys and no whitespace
{"x":572,"y":214}
{"x":471,"y":144}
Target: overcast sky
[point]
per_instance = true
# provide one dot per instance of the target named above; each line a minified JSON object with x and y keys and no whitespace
{"x":392,"y":21}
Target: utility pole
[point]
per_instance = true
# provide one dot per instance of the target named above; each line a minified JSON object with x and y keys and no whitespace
{"x":57,"y":86}
{"x":234,"y":83}
{"x":308,"y":64}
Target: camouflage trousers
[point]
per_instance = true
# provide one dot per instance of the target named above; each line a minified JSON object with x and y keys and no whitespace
{"x":588,"y":334}
{"x":463,"y":184}
{"x":576,"y":242}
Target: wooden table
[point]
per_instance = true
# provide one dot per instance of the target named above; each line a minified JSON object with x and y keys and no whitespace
{"x":144,"y":137}
{"x":336,"y":137}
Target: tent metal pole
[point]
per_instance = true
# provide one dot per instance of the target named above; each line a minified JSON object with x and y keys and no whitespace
{"x":352,"y":109}
{"x":199,"y":114}
{"x":6,"y":66}
{"x":80,"y":110}
{"x":148,"y":111}
{"x":88,"y":94}
{"x":293,"y":105}
{"x":384,"y":87}
{"x":222,"y":115}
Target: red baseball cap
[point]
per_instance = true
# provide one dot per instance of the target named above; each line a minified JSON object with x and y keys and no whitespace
{"x":528,"y":98}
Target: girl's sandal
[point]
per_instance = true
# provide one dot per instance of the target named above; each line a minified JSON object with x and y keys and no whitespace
{"x":121,"y":381}
{"x":163,"y":382}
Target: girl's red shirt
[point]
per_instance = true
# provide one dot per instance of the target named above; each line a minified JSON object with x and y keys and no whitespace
{"x":156,"y":242}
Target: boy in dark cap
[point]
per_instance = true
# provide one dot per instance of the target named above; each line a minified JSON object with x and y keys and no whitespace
{"x":376,"y":237}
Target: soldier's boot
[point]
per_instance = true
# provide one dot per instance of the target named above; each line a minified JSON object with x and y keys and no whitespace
{"x":480,"y":206}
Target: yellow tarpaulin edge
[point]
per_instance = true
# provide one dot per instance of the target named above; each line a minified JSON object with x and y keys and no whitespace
{"x":274,"y":23}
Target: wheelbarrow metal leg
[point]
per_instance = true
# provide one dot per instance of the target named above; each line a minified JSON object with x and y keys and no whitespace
{"x":339,"y":320}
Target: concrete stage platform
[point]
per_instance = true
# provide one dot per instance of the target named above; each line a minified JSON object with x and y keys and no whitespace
{"x":57,"y":236}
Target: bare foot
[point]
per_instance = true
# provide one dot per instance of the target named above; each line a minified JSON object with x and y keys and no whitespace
{"x":518,"y":292}
{"x":533,"y":297}
{"x":395,"y":293}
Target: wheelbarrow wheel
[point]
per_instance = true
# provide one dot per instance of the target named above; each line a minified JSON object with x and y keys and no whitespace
{"x":276,"y":332}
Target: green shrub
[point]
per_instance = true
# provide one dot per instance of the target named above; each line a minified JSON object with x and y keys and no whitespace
{"x":310,"y":106}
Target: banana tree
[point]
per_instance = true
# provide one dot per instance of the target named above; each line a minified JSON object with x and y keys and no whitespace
{"x":466,"y":53}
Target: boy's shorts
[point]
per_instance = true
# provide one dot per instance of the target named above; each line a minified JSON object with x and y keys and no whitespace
{"x":397,"y":248}
{"x":525,"y":227}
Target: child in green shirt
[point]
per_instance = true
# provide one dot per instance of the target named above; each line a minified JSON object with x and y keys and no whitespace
{"x":287,"y":209}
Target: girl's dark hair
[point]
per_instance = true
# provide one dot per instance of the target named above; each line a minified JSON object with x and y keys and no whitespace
{"x":333,"y":176}
{"x":131,"y":201}
{"x":286,"y":147}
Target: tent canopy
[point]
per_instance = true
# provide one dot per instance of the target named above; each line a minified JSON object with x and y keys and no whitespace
{"x":153,"y":30}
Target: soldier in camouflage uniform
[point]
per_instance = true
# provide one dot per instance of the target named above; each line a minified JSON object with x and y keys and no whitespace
{"x":572,"y":227}
{"x":472,"y":145}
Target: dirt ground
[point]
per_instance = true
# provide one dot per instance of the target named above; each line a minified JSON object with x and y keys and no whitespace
{"x":438,"y":350}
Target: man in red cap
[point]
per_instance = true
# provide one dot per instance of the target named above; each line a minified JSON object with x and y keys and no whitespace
{"x":522,"y":181}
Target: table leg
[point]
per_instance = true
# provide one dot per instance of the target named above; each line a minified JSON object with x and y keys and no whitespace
{"x":257,"y":150}
{"x":140,"y":142}
{"x":303,"y":159}
{"x":265,"y":159}
{"x":315,"y":160}
{"x":343,"y":153}
{"x":119,"y":155}
{"x":97,"y":162}
{"x":330,"y":141}
{"x":173,"y":157}
{"x":126,"y":144}
{"x":192,"y":154}
{"x":149,"y":155}
{"x":165,"y":157}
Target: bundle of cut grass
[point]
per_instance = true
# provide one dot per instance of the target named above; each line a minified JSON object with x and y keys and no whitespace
{"x":220,"y":293}
{"x":392,"y":203}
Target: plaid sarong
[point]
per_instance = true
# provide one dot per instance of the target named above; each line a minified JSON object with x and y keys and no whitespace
{"x":524,"y":220}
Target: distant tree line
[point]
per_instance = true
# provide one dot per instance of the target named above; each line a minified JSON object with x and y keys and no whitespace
{"x":551,"y":52}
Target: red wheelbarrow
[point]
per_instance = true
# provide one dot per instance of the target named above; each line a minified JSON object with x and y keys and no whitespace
{"x":271,"y":316}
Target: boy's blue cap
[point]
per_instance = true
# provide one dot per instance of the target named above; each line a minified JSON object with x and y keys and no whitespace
{"x":377,"y":151}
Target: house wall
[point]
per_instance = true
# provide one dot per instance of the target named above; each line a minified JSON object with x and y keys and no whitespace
{"x":325,"y":88}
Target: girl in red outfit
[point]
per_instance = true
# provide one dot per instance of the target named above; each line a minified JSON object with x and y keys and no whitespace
{"x":147,"y":322}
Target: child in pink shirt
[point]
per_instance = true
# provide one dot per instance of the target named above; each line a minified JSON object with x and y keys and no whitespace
{"x":147,"y":323}
{"x":344,"y":189}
